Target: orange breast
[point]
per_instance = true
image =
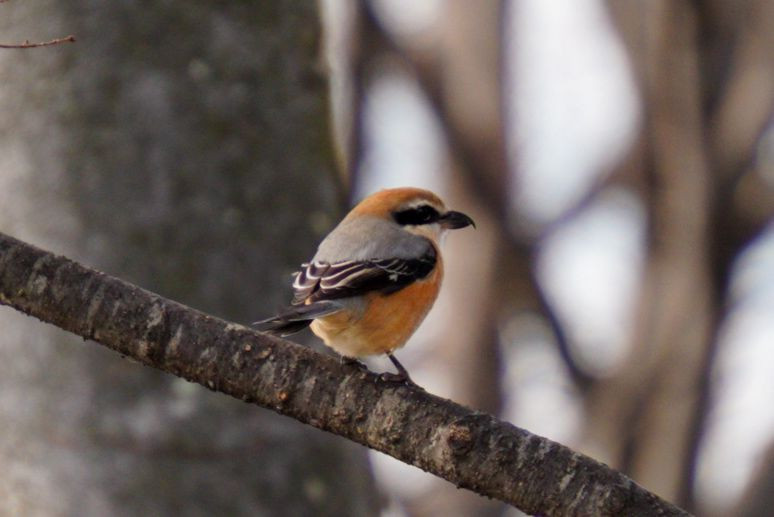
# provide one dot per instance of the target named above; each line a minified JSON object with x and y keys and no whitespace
{"x":385,"y":323}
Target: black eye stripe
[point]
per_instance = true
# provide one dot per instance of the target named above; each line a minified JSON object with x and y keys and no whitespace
{"x":422,"y":214}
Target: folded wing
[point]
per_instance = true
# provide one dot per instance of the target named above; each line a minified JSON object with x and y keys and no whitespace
{"x":319,"y":281}
{"x":322,"y":286}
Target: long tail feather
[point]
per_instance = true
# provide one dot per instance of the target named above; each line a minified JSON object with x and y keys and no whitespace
{"x":296,"y":318}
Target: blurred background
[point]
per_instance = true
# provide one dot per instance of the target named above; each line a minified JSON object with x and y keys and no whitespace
{"x":618,"y":158}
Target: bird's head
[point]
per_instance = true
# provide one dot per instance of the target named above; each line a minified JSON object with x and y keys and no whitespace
{"x":417,"y":211}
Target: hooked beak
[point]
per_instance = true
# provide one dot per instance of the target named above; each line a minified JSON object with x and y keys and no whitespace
{"x":452,"y":220}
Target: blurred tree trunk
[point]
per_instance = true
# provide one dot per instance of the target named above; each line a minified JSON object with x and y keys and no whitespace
{"x":759,"y":498}
{"x":462,"y":77}
{"x":693,"y":61}
{"x":643,"y":416}
{"x":169,"y":146}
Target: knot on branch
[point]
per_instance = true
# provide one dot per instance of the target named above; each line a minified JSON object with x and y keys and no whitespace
{"x":460,"y":439}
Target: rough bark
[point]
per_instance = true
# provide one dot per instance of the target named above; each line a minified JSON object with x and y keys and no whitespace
{"x":472,"y":450}
{"x":166,"y":146}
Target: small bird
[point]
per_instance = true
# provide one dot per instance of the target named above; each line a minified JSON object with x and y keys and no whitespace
{"x":374,"y":277}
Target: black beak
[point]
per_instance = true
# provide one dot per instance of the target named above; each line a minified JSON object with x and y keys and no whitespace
{"x":452,"y":220}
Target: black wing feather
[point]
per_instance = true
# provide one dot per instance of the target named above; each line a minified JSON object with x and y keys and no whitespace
{"x":323,"y":281}
{"x":319,"y":284}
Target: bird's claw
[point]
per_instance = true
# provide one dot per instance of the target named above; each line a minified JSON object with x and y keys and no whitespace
{"x":398,"y":378}
{"x":354,"y":362}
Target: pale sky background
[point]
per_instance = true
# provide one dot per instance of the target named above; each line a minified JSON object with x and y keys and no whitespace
{"x":575,"y":112}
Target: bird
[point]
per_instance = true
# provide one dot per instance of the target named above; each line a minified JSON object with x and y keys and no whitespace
{"x":374,"y":277}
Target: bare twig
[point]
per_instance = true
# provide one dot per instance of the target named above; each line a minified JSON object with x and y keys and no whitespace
{"x":28,"y":44}
{"x":472,"y":450}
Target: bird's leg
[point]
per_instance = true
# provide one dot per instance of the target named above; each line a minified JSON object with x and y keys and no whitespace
{"x":401,"y":370}
{"x":401,"y":376}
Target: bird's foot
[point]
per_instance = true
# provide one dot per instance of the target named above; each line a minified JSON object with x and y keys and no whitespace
{"x":398,"y":378}
{"x":353,"y":362}
{"x":401,"y":376}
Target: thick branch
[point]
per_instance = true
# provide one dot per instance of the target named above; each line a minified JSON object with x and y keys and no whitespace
{"x":472,"y":450}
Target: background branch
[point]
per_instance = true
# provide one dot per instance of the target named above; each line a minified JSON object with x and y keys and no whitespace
{"x":28,"y":44}
{"x":534,"y":474}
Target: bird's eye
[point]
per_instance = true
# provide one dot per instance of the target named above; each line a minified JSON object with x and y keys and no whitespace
{"x":422,"y":214}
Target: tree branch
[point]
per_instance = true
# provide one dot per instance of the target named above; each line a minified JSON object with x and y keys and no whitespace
{"x":28,"y":44}
{"x":472,"y":450}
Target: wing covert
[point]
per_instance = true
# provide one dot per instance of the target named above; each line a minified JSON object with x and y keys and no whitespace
{"x":319,"y":280}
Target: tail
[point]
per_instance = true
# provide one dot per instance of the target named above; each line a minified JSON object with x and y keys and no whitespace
{"x":296,"y":318}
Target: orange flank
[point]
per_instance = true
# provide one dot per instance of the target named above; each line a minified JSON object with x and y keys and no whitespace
{"x":387,"y":324}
